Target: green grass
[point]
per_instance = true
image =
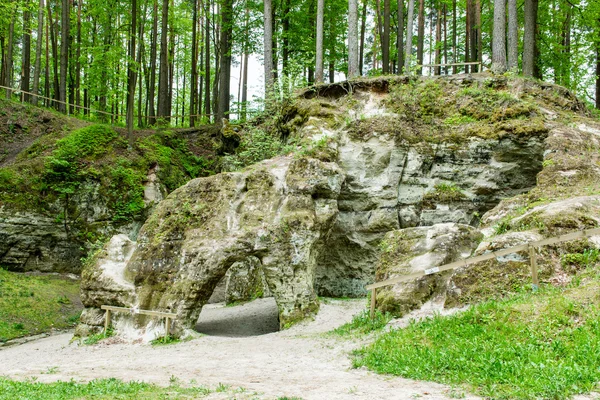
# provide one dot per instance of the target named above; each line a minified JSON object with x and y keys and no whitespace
{"x":362,"y":324}
{"x":31,"y":304}
{"x":97,"y":389}
{"x":534,"y":345}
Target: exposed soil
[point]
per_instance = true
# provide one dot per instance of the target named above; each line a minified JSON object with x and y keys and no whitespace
{"x":301,"y":362}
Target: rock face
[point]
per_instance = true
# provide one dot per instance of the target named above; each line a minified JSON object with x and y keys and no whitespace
{"x":275,"y":214}
{"x":411,"y":250}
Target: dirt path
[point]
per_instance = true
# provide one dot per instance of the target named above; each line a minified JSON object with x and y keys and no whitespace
{"x":300,"y":362}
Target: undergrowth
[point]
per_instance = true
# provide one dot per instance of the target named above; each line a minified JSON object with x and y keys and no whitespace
{"x":531,"y":346}
{"x":362,"y":324}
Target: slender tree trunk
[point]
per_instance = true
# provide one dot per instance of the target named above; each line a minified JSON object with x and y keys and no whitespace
{"x":445,"y":38}
{"x":438,"y":40}
{"x":598,"y":75}
{"x":565,"y":57}
{"x":513,"y":36}
{"x":153,"y":56}
{"x":207,"y":103}
{"x":312,"y":18}
{"x":194,"y":69}
{"x":38,"y":53}
{"x":225,"y":57}
{"x":319,"y":55}
{"x":477,"y":33}
{"x":399,"y":36}
{"x":26,"y":63}
{"x":529,"y":38}
{"x":363,"y":28}
{"x":244,"y":104}
{"x":131,"y":73}
{"x":163,"y":81}
{"x":421,"y":35}
{"x":64,"y":53}
{"x":78,"y":59}
{"x":8,"y":77}
{"x":268,"y":48}
{"x":352,"y":39}
{"x":409,"y":35}
{"x":454,"y":34}
{"x":385,"y":41}
{"x":55,"y":56}
{"x":499,"y":38}
{"x":285,"y":44}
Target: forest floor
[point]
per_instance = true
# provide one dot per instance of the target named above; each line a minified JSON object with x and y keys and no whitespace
{"x":304,"y":362}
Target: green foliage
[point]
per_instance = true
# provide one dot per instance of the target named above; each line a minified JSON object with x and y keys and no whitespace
{"x":362,"y":324}
{"x":256,"y":145}
{"x":95,"y":338}
{"x":162,"y":340}
{"x":445,"y":192}
{"x":581,"y":260}
{"x":32,"y":304}
{"x":91,"y":141}
{"x":96,"y":389}
{"x":531,"y":346}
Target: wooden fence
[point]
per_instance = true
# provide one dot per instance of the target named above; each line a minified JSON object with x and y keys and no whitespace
{"x":167,"y":316}
{"x":531,"y":247}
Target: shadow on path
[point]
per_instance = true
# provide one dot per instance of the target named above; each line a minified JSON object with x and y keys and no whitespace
{"x":255,"y":318}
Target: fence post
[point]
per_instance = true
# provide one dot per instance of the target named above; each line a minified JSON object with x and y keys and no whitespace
{"x":106,"y":322}
{"x":373,"y":302}
{"x":167,"y":326}
{"x":534,"y":269}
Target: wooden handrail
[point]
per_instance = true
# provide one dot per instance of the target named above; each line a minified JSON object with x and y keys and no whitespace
{"x":531,"y":247}
{"x":165,"y":315}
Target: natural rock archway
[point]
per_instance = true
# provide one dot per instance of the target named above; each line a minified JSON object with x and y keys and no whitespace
{"x":277,"y":211}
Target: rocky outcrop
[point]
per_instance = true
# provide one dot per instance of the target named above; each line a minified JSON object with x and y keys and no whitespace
{"x":411,"y":250}
{"x":276,"y":213}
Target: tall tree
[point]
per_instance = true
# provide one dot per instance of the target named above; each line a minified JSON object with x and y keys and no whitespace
{"x":385,"y":40}
{"x":153,"y":55}
{"x":319,"y":55}
{"x":530,"y":37}
{"x":513,"y":36}
{"x":268,"y":47}
{"x":352,"y":39}
{"x":225,"y":46}
{"x":363,"y":28}
{"x":499,"y":38}
{"x":38,"y":52}
{"x":399,"y":35}
{"x":420,"y":35}
{"x":194,"y":67}
{"x":163,"y":80}
{"x":131,"y":72}
{"x":65,"y":24}
{"x":26,"y":59}
{"x":409,"y":35}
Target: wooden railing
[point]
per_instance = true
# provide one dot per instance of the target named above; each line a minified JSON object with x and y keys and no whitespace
{"x":531,"y":247}
{"x":167,"y":316}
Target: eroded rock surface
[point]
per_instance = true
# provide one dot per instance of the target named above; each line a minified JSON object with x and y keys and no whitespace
{"x":276,"y":213}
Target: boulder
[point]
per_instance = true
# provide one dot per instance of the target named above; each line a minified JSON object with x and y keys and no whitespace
{"x":411,"y":250}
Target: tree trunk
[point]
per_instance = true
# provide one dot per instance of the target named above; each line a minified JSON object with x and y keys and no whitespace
{"x":163,"y":80}
{"x":598,"y":75}
{"x":529,"y":37}
{"x":226,"y":41}
{"x":399,"y":36}
{"x":268,"y":48}
{"x":285,"y":43}
{"x":38,"y":53}
{"x":8,"y":70}
{"x":421,"y":35}
{"x":409,"y":34}
{"x":513,"y":36}
{"x":363,"y":28}
{"x":319,"y":55}
{"x":454,"y":47}
{"x":352,"y":39}
{"x":78,"y":59}
{"x":244,"y":104}
{"x":385,"y":40}
{"x":64,"y":54}
{"x":438,"y":41}
{"x":131,"y":73}
{"x":26,"y":63}
{"x":153,"y":54}
{"x":207,"y":103}
{"x":499,"y":38}
{"x":194,"y":69}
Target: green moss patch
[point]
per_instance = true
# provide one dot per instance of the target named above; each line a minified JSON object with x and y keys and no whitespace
{"x":32,"y":304}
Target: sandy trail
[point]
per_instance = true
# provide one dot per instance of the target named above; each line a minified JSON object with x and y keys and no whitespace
{"x":300,"y":362}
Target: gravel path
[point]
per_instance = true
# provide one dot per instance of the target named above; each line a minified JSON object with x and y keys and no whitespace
{"x":300,"y":362}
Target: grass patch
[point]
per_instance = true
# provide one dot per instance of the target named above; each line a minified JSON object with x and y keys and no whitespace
{"x":96,"y":389}
{"x":93,"y":339}
{"x":530,"y":346}
{"x":32,"y":304}
{"x":362,"y":324}
{"x":163,"y":341}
